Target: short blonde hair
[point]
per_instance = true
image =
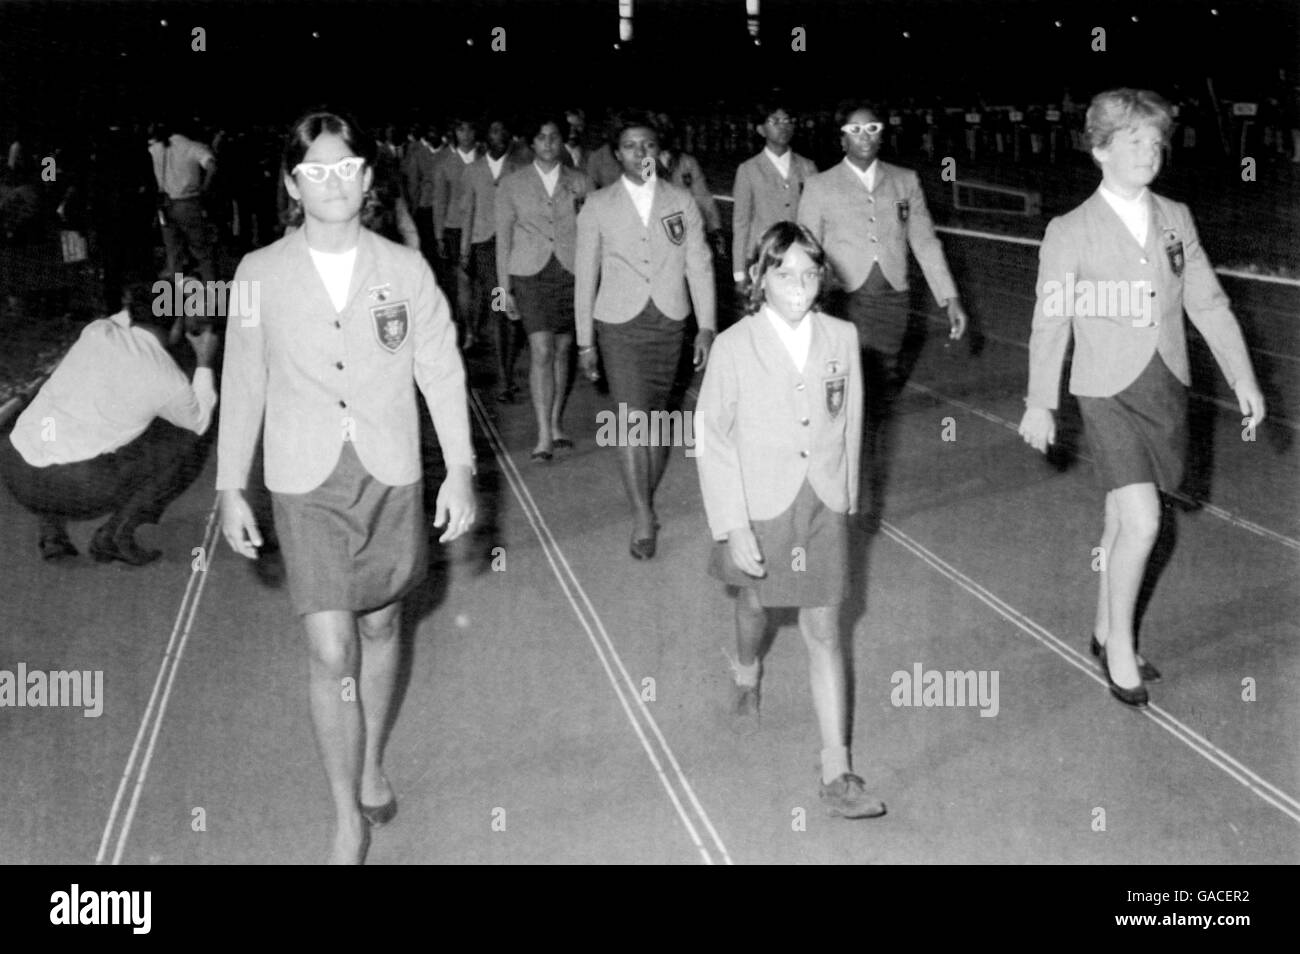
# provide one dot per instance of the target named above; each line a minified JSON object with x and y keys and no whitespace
{"x":1119,"y":109}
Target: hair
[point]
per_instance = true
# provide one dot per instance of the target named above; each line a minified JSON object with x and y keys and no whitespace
{"x":139,"y":286}
{"x":531,"y":126}
{"x":848,"y":108}
{"x":305,"y":131}
{"x":763,"y":110}
{"x":776,"y":241}
{"x":1119,"y":109}
{"x":631,"y":120}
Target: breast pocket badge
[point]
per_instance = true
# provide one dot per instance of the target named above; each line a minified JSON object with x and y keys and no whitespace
{"x":392,"y":325}
{"x":904,"y":207}
{"x":675,"y":226}
{"x":835,"y":389}
{"x":1174,"y":249}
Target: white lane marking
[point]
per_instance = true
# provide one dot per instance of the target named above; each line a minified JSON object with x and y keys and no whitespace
{"x":153,"y":716}
{"x":1223,"y":514}
{"x":1216,"y":756}
{"x":553,"y":553}
{"x":1019,"y":240}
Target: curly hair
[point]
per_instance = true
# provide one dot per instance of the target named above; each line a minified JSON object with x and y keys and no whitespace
{"x":776,"y":241}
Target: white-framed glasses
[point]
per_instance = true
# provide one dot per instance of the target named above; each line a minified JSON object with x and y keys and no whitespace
{"x":780,"y":121}
{"x":859,"y":129}
{"x":346,"y":169}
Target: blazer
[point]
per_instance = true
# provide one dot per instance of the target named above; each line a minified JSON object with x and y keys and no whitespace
{"x":620,"y":264}
{"x":688,"y":175}
{"x":763,"y":427}
{"x":1091,"y":244}
{"x":478,"y":197}
{"x":318,"y":377}
{"x":448,"y":178}
{"x":532,"y":226}
{"x":761,"y":198}
{"x":417,"y":173}
{"x":858,"y":228}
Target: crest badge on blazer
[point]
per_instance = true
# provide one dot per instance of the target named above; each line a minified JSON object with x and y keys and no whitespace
{"x":1174,"y":249}
{"x":835,"y":388}
{"x":675,"y":226}
{"x":904,"y":207}
{"x":392,"y":324}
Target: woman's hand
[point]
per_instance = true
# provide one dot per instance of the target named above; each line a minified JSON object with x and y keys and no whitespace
{"x":745,"y":552}
{"x":589,"y":363}
{"x":703,"y":342}
{"x":1038,"y":428}
{"x":238,"y":525}
{"x":456,"y":507}
{"x":1251,"y":401}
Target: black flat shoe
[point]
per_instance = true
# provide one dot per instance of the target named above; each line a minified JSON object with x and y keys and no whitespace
{"x":1148,"y":672}
{"x":122,"y":548}
{"x":562,"y":442}
{"x":540,"y":456}
{"x":378,"y":815}
{"x":54,"y":548}
{"x":1134,"y":698}
{"x":644,"y":549}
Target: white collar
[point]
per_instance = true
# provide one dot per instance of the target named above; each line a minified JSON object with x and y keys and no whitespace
{"x":644,"y":189}
{"x":869,"y":175}
{"x":1119,"y":202}
{"x":467,"y":157}
{"x":797,"y":340}
{"x":782,"y":163}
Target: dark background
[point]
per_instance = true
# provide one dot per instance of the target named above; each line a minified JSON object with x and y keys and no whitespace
{"x":68,"y":63}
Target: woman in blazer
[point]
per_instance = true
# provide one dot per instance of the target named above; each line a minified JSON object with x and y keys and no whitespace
{"x":640,"y":245}
{"x":1117,"y":273}
{"x":342,"y":322}
{"x":537,"y":232}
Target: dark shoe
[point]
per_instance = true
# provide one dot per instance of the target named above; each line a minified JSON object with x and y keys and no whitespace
{"x":562,"y":443}
{"x":1148,"y":672}
{"x":644,"y":549}
{"x":56,"y":546}
{"x":121,"y":547}
{"x":1135,"y":698}
{"x":378,"y":815}
{"x":540,"y":457}
{"x":847,"y":797}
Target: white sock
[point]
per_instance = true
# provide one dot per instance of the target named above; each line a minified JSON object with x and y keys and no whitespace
{"x":835,"y":762}
{"x":746,"y":676}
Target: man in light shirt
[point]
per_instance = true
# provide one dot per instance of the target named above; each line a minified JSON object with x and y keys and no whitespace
{"x":184,"y":170}
{"x":114,"y":430}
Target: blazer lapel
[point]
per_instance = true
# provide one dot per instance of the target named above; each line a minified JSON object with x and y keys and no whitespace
{"x":1111,"y":220}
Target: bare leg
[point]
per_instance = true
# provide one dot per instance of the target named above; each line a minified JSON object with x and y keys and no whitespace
{"x":820,"y":628}
{"x":542,"y":384}
{"x":380,"y":649}
{"x":1137,"y":512}
{"x":563,"y":382}
{"x":337,"y":717}
{"x":751,"y":622}
{"x":635,"y":463}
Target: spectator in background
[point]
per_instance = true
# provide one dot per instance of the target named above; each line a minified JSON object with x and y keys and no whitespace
{"x":114,"y":430}
{"x":449,"y":218}
{"x":683,"y":170}
{"x":184,"y":171}
{"x":120,"y":194}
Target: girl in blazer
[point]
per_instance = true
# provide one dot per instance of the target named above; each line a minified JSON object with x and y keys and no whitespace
{"x":323,"y":362}
{"x":779,"y":425}
{"x":537,"y":232}
{"x":1117,"y":273}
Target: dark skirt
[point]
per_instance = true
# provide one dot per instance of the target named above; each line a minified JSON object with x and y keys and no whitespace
{"x":879,"y":312}
{"x":1139,"y":436}
{"x":545,"y":300}
{"x":805,"y":552}
{"x":642,"y":358}
{"x":353,"y":543}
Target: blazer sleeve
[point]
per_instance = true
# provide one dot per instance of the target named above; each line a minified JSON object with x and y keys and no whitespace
{"x":439,"y":372}
{"x":717,"y":457}
{"x":742,"y":215}
{"x":1050,"y":334}
{"x":243,"y":393}
{"x":505,"y":213}
{"x":925,"y":244}
{"x":1209,"y":309}
{"x":856,"y":409}
{"x":704,"y":197}
{"x":406,"y":225}
{"x":586,"y":271}
{"x":699,"y":270}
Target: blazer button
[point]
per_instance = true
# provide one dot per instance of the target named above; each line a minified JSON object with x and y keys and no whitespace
{"x":873,"y":238}
{"x":872,"y":219}
{"x":803,"y":453}
{"x":343,"y":403}
{"x":1144,"y":261}
{"x":803,"y":421}
{"x":1152,"y":293}
{"x":871,"y":199}
{"x":338,"y":325}
{"x":799,"y":386}
{"x":339,"y":365}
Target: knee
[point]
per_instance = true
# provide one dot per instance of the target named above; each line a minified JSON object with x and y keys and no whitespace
{"x":543,"y":351}
{"x":1140,"y":524}
{"x":379,"y":630}
{"x":334,"y":654}
{"x":820,"y":628}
